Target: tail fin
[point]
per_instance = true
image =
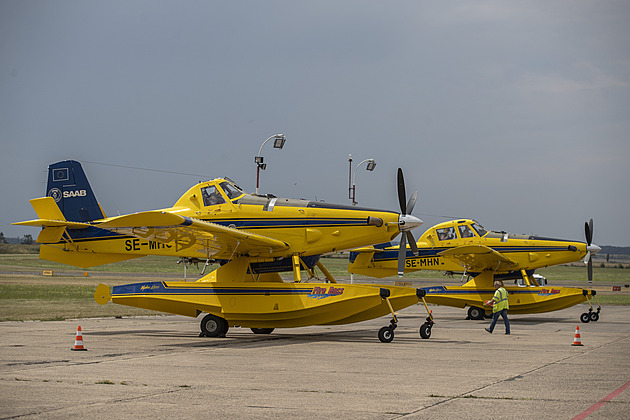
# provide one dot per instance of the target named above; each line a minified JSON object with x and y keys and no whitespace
{"x":69,"y":187}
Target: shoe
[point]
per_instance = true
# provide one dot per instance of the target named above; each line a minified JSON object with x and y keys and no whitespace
{"x":488,"y":330}
{"x":507,"y":333}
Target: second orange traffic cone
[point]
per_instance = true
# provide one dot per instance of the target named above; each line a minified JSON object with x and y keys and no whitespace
{"x":577,"y":341}
{"x":78,"y":342}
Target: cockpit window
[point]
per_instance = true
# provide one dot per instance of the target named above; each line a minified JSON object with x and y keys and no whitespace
{"x":465,"y":231}
{"x":231,"y":190}
{"x":446,"y":234}
{"x":211,"y":196}
{"x":480,"y":230}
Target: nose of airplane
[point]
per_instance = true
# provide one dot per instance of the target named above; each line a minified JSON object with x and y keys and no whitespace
{"x":408,"y":222}
{"x":593,"y":249}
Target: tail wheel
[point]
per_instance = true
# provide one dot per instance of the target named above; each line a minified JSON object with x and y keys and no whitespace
{"x":386,"y":334}
{"x":214,"y":326}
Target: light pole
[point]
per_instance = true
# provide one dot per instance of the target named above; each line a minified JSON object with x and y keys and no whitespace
{"x":371,"y":164}
{"x":278,"y":143}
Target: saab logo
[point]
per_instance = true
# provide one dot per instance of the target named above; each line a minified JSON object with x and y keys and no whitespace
{"x":75,"y":193}
{"x":321,"y":293}
{"x":548,"y":292}
{"x":55,"y":193}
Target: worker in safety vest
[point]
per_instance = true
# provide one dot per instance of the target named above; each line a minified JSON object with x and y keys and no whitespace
{"x":499,"y":307}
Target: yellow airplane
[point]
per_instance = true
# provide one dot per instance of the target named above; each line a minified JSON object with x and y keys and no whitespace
{"x":485,"y":255}
{"x":253,"y":237}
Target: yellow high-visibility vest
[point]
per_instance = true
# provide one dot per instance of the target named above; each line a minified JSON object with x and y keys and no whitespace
{"x":500,"y":300}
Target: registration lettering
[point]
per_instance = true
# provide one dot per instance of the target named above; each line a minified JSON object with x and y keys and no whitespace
{"x":139,"y":245}
{"x":422,"y":262}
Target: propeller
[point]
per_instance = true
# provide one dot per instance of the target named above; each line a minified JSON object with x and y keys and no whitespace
{"x":590,"y":249}
{"x":406,"y":222}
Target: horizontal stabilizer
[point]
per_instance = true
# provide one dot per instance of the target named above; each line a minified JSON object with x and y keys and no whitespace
{"x":49,"y":215}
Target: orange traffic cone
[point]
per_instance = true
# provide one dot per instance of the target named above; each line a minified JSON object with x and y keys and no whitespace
{"x":78,"y":342}
{"x":577,"y":341}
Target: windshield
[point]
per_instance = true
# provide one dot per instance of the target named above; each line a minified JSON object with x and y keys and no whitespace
{"x":480,"y":230}
{"x":231,"y":190}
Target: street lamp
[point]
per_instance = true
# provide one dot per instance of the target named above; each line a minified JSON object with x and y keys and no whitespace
{"x":371,"y":164}
{"x":278,"y":143}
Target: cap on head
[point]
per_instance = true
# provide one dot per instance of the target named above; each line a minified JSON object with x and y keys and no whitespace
{"x":497,"y":283}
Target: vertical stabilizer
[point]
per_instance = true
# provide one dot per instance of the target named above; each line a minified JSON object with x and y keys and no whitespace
{"x":69,"y":187}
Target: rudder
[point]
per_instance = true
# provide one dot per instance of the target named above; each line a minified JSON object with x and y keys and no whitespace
{"x":69,"y":187}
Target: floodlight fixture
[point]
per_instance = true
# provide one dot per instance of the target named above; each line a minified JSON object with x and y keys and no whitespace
{"x":279,"y":140}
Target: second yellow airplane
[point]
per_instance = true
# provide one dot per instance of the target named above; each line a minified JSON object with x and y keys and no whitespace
{"x":465,"y":246}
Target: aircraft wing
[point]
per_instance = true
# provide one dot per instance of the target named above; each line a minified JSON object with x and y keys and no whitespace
{"x":184,"y":232}
{"x":479,"y":258}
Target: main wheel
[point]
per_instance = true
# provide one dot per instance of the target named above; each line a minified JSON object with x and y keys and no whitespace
{"x":386,"y":334}
{"x":585,"y":317}
{"x":476,"y":313}
{"x":594,"y":316}
{"x":214,"y":326}
{"x":262,"y":330}
{"x":425,"y":330}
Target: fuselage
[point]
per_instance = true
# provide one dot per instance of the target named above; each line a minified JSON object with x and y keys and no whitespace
{"x":306,"y":227}
{"x":524,"y":251}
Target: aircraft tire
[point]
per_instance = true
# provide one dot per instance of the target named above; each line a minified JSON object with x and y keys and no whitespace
{"x":262,"y":330}
{"x":594,"y":316}
{"x":476,"y":313}
{"x":425,"y":331}
{"x":585,"y":317}
{"x":214,"y":326}
{"x":386,"y":334}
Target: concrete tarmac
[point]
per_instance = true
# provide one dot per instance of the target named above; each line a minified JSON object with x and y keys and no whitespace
{"x":158,"y":368}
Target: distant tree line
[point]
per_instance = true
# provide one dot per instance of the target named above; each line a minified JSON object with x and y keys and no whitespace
{"x":26,"y":240}
{"x":618,"y":250}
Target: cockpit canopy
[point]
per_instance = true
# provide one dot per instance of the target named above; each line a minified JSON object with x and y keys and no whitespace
{"x":459,"y":229}
{"x":212,"y":194}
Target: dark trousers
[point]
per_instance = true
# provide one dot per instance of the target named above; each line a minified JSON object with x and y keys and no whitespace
{"x":495,"y":318}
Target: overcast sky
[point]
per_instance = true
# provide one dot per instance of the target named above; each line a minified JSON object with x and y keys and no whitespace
{"x":516,"y":114}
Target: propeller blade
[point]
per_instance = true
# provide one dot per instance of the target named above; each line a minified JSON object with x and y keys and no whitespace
{"x":587,"y":257}
{"x":402,"y":196}
{"x":590,"y":272}
{"x":412,"y":243}
{"x":402,"y":254}
{"x":412,"y":202}
{"x":588,"y":230}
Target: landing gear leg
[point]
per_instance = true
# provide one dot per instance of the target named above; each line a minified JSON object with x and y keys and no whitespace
{"x":386,"y":334}
{"x":425,"y":329}
{"x":590,"y":315}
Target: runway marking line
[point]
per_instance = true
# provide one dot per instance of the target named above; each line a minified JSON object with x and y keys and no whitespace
{"x":601,"y":402}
